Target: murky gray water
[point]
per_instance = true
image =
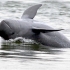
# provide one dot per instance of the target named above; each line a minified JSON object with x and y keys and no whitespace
{"x":27,"y":55}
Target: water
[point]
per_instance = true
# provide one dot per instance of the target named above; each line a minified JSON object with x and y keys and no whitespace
{"x":22,"y":54}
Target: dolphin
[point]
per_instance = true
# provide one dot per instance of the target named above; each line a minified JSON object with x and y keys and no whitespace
{"x":28,"y":28}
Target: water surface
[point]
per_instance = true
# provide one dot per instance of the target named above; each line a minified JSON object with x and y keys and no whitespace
{"x":22,"y":54}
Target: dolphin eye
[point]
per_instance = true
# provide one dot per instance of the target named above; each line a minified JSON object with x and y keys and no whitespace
{"x":12,"y":33}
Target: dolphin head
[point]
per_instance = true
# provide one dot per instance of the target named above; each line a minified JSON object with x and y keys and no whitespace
{"x":5,"y":30}
{"x":12,"y":28}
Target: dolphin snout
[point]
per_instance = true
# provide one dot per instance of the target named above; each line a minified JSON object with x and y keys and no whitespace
{"x":5,"y":30}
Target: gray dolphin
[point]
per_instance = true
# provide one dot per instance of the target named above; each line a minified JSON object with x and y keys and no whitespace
{"x":32,"y":29}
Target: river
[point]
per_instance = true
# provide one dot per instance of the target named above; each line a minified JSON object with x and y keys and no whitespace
{"x":24,"y":54}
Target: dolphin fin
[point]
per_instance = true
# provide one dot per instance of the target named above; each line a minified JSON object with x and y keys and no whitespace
{"x":31,"y":11}
{"x":38,"y":31}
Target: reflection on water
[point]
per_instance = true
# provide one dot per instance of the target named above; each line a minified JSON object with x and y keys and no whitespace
{"x":22,"y":50}
{"x":29,"y":51}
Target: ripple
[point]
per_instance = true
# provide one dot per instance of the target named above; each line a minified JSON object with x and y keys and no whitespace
{"x":26,"y":54}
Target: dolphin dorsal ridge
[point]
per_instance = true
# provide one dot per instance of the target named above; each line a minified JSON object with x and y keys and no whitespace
{"x":31,"y":11}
